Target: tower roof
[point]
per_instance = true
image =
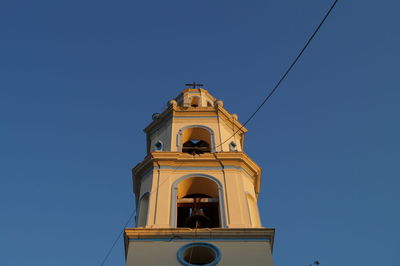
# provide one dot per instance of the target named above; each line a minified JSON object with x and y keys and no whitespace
{"x":196,"y":102}
{"x":197,"y":90}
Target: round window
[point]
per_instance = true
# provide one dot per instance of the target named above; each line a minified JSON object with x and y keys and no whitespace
{"x":199,"y":254}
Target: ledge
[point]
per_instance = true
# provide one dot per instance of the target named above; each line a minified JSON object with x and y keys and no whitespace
{"x":179,"y":159}
{"x":226,"y":234}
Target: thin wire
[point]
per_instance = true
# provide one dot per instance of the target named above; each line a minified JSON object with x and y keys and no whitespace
{"x":130,"y":217}
{"x":195,"y":237}
{"x":251,"y":116}
{"x":116,"y":240}
{"x":286,"y":73}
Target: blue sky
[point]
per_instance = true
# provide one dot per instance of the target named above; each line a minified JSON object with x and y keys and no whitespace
{"x":79,"y":81}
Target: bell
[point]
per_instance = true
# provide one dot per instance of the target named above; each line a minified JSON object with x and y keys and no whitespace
{"x":197,"y":219}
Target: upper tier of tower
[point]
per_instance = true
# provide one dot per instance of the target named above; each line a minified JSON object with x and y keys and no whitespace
{"x":195,"y":122}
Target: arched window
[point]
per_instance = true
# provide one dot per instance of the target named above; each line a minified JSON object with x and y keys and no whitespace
{"x":143,"y":210}
{"x":196,"y":140}
{"x":253,"y":212}
{"x":198,"y":203}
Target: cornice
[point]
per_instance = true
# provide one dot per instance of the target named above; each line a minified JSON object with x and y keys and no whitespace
{"x":180,"y":159}
{"x":161,"y":119}
{"x":155,"y":233}
{"x":229,"y":119}
{"x":177,"y":111}
{"x":247,"y":234}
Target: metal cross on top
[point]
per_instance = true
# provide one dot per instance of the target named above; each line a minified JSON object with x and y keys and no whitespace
{"x":194,"y":85}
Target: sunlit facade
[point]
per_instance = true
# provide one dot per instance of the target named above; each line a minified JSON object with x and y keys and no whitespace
{"x":196,"y":190}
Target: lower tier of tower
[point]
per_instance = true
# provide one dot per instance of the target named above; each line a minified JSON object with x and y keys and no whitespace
{"x":184,"y":246}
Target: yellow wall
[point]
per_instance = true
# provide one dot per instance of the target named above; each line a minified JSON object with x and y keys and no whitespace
{"x":239,"y":177}
{"x":235,"y":184}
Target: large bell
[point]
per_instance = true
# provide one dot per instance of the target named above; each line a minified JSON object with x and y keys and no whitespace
{"x":197,"y":219}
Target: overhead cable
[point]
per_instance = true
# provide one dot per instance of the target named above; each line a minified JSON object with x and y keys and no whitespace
{"x":118,"y":237}
{"x":286,"y":73}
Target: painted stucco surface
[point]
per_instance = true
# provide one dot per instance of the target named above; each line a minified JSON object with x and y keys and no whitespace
{"x":232,"y":253}
{"x":171,"y":173}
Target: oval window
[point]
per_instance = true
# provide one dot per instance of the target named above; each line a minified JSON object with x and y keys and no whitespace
{"x":159,"y":146}
{"x":232,"y":146}
{"x":199,"y":254}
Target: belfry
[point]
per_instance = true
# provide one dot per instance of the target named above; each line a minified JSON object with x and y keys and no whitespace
{"x":196,"y":190}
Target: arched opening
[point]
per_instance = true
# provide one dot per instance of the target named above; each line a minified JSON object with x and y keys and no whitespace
{"x":198,"y":203}
{"x":195,"y":102}
{"x":143,"y":210}
{"x":196,"y":140}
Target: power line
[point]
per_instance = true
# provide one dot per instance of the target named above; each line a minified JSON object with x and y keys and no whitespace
{"x":286,"y":73}
{"x":130,"y":217}
{"x":116,"y":240}
{"x":251,"y":116}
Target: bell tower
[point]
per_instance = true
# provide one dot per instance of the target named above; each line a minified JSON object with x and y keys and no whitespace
{"x":196,"y":193}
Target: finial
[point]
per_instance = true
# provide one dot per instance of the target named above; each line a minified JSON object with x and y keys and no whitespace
{"x":219,"y":103}
{"x":172,"y":103}
{"x":155,"y":116}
